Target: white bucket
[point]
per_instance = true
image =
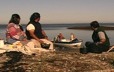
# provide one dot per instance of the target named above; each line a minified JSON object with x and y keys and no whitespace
{"x":1,"y":43}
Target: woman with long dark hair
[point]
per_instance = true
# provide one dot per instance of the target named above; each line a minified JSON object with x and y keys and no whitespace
{"x":35,"y":32}
{"x":14,"y":31}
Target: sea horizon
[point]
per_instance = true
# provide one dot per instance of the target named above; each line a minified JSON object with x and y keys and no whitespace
{"x":66,"y":24}
{"x":52,"y":30}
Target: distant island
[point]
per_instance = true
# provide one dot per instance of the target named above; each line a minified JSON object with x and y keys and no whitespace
{"x":89,"y":28}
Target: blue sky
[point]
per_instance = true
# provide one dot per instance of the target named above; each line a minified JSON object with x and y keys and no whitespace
{"x":59,"y":11}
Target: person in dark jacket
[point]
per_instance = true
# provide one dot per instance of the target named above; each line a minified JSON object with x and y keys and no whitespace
{"x":100,"y":42}
{"x":35,"y":32}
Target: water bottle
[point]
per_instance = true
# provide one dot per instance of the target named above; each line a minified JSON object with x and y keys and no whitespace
{"x":71,"y":37}
{"x":54,"y":39}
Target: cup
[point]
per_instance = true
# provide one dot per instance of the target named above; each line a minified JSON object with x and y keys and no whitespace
{"x":1,"y":43}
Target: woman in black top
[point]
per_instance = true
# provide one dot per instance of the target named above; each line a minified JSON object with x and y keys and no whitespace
{"x":35,"y":32}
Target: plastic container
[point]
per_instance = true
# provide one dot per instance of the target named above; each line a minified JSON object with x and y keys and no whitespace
{"x":1,"y":43}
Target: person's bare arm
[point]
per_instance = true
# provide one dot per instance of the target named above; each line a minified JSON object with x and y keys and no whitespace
{"x":43,"y":32}
{"x":34,"y":36}
{"x":102,"y":38}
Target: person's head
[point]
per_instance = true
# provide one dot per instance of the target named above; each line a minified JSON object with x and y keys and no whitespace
{"x":71,"y":34}
{"x":15,"y":18}
{"x":94,"y":24}
{"x":60,"y":34}
{"x":35,"y":17}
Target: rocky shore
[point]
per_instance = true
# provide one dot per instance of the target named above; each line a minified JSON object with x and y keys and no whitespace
{"x":62,"y":60}
{"x":88,"y":28}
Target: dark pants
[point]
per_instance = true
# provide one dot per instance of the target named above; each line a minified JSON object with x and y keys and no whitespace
{"x":92,"y":47}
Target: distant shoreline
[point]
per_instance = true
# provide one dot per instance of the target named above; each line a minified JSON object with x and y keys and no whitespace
{"x":88,"y":28}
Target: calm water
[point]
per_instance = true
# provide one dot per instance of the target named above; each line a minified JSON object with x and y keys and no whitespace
{"x":53,"y":30}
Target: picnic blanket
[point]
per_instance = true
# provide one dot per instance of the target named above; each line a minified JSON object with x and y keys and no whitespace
{"x":28,"y":48}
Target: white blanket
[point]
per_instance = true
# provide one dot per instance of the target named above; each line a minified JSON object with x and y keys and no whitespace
{"x":26,"y":49}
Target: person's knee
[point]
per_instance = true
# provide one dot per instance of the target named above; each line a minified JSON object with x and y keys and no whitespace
{"x":50,"y":42}
{"x":36,"y":43}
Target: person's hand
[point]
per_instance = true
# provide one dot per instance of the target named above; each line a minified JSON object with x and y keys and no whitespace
{"x":97,"y":43}
{"x":46,"y":37}
{"x":41,"y":41}
{"x":24,"y":39}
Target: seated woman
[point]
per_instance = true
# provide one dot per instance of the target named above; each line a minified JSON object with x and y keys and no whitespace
{"x":35,"y":32}
{"x":14,"y":32}
{"x":15,"y":35}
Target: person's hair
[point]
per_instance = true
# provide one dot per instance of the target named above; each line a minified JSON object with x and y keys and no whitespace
{"x":15,"y":19}
{"x":94,"y":24}
{"x":34,"y":16}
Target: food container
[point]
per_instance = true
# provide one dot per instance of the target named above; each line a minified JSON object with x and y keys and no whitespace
{"x":45,"y":45}
{"x":1,"y":43}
